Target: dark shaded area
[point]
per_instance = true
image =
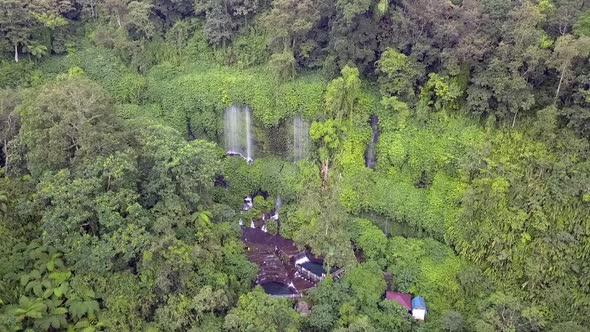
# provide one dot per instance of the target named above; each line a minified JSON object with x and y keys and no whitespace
{"x":220,"y":181}
{"x":2,"y":157}
{"x":370,"y":155}
{"x":277,"y":288}
{"x":189,"y":129}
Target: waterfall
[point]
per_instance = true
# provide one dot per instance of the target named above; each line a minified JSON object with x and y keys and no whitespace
{"x":278,"y":203}
{"x":232,"y":130}
{"x":238,"y":132}
{"x":300,"y":138}
{"x":247,"y":115}
{"x":370,"y":156}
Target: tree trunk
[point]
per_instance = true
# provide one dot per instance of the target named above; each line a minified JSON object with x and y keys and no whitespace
{"x":16,"y":51}
{"x":514,"y":120}
{"x":92,"y":14}
{"x":325,"y":172}
{"x":560,"y":82}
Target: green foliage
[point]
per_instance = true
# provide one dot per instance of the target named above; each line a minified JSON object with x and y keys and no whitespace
{"x":110,"y":220}
{"x":427,"y":268}
{"x":275,"y":176}
{"x":370,"y":239}
{"x":398,"y":74}
{"x":257,"y":311}
{"x":525,"y":223}
{"x":248,"y":49}
{"x":50,"y":297}
{"x":283,"y":64}
{"x":352,"y":8}
{"x":326,"y":136}
{"x":342,"y":93}
{"x":18,"y":74}
{"x":582,"y":26}
{"x":441,"y":93}
{"x":418,"y":173}
{"x":325,"y":230}
{"x":366,"y":283}
{"x":67,"y":122}
{"x":104,"y":67}
{"x":203,"y":95}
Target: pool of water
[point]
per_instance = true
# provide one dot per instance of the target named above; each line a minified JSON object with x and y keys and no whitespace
{"x":277,"y":288}
{"x":315,"y":268}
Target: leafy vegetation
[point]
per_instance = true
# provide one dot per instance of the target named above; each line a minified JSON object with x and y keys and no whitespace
{"x":120,"y":212}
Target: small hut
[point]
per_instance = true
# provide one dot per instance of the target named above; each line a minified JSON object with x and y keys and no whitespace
{"x":418,"y":308}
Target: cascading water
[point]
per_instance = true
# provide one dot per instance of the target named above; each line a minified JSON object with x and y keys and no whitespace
{"x":370,"y":157}
{"x":275,"y":215}
{"x":247,"y":114}
{"x":232,"y":130}
{"x":300,"y":138}
{"x":238,"y":132}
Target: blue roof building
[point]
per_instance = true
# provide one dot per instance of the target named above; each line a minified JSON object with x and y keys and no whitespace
{"x":418,"y":308}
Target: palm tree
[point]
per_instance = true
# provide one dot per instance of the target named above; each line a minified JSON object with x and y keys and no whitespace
{"x":36,"y":49}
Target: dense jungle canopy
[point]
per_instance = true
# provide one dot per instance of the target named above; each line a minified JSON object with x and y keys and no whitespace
{"x":120,"y":209}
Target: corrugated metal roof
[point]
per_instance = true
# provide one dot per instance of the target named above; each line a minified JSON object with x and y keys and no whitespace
{"x":418,"y":303}
{"x":401,"y":298}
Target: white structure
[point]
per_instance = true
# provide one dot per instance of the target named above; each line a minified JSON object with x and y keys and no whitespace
{"x":418,"y":308}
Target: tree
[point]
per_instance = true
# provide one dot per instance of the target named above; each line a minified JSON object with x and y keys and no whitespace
{"x":257,"y":311}
{"x":453,"y":321}
{"x":133,"y":17}
{"x":353,"y":43}
{"x":373,"y":243}
{"x":326,"y":137}
{"x":582,"y":26}
{"x":327,"y":298}
{"x":367,"y":285}
{"x":218,"y":26}
{"x":289,"y":20}
{"x":173,"y":11}
{"x":243,"y":9}
{"x":505,"y":313}
{"x":177,"y":172}
{"x":49,"y":298}
{"x":37,"y":50}
{"x":16,"y":23}
{"x":9,"y":126}
{"x":398,"y":74}
{"x":68,"y":122}
{"x":567,"y":50}
{"x":392,"y":316}
{"x":352,"y":8}
{"x":138,"y":23}
{"x":225,"y":17}
{"x":325,"y":233}
{"x":562,"y":15}
{"x":283,"y":64}
{"x":441,"y":93}
{"x":342,"y":93}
